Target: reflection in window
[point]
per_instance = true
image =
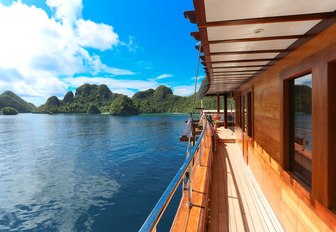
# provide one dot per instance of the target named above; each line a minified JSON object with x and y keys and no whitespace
{"x":301,"y":128}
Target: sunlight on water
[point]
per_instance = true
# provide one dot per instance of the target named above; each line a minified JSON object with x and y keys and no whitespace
{"x":83,"y":172}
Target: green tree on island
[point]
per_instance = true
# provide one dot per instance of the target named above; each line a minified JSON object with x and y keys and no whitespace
{"x":9,"y":111}
{"x":123,"y":105}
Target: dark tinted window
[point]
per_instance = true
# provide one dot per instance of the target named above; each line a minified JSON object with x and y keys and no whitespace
{"x":301,"y":128}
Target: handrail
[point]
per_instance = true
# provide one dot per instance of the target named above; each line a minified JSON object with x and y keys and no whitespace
{"x":160,"y":207}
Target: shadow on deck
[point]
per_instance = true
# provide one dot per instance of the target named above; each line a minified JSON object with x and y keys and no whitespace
{"x":236,"y":201}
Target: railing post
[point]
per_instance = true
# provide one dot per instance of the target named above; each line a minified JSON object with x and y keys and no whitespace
{"x":160,"y":207}
{"x":190,"y":204}
{"x":200,"y":152}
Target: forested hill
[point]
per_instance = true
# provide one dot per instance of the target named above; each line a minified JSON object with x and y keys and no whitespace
{"x":10,"y":99}
{"x":162,"y":99}
{"x":99,"y":98}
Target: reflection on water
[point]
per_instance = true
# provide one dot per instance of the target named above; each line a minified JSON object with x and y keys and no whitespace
{"x":83,"y":172}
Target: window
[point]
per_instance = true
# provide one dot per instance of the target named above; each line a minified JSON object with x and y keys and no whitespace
{"x":301,"y":128}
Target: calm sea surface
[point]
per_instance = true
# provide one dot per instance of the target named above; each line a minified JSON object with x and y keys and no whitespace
{"x":86,"y":172}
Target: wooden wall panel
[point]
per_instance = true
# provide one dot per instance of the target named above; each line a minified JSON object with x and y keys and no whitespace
{"x":304,"y":207}
{"x":290,"y":203}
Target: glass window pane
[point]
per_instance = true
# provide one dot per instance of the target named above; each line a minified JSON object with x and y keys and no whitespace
{"x":301,"y":114}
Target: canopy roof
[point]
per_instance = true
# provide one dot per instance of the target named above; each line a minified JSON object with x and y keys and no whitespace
{"x":243,"y":38}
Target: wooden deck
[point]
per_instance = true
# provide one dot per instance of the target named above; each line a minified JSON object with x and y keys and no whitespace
{"x":226,"y":135}
{"x":225,"y":196}
{"x":236,"y":201}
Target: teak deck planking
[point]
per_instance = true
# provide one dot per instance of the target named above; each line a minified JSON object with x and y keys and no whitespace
{"x":237,"y":203}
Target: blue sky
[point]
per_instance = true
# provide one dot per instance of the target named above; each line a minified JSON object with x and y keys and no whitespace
{"x":50,"y":47}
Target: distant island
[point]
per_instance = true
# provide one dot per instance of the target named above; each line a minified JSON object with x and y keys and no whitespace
{"x":96,"y":99}
{"x":11,"y":104}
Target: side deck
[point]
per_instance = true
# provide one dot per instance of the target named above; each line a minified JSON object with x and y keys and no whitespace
{"x":237,"y":203}
{"x":226,"y":197}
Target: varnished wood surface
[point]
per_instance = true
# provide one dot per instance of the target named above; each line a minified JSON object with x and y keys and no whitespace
{"x":271,"y":114}
{"x":237,"y":203}
{"x":291,"y":203}
{"x":194,"y":218}
{"x":226,"y":135}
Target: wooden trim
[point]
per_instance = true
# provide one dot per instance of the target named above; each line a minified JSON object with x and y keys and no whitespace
{"x":247,"y":52}
{"x":274,"y":19}
{"x":242,"y":61}
{"x":232,"y":74}
{"x":237,"y":71}
{"x":245,"y":66}
{"x":253,"y":39}
{"x":196,"y":35}
{"x":215,"y":94}
{"x":190,"y":15}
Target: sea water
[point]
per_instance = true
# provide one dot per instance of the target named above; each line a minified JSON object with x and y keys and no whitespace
{"x":78,"y":172}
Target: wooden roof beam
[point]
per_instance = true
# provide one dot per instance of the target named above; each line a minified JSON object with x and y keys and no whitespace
{"x":244,"y":66}
{"x":247,"y":52}
{"x":255,"y":39}
{"x":196,"y":35}
{"x":190,"y":15}
{"x":274,"y":19}
{"x":241,"y":61}
{"x":238,"y":71}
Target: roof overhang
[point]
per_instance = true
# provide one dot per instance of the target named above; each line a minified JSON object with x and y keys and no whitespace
{"x":240,"y":39}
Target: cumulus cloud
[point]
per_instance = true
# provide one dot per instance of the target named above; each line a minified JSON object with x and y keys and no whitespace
{"x":66,"y":11}
{"x":99,"y":36}
{"x":185,"y":90}
{"x":163,"y":76}
{"x":38,"y":49}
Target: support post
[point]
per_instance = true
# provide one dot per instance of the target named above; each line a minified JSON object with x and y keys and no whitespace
{"x":225,"y":111}
{"x":218,"y":103}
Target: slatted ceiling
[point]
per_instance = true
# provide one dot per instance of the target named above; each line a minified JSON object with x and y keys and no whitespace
{"x":251,"y":46}
{"x":240,"y":39}
{"x":269,"y":30}
{"x":231,"y":65}
{"x":243,"y":56}
{"x":232,"y":73}
{"x":235,"y":64}
{"x":219,"y":10}
{"x":241,"y":61}
{"x":235,"y":69}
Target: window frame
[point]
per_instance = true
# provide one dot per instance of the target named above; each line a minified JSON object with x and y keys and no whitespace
{"x":291,"y":125}
{"x":287,"y":122}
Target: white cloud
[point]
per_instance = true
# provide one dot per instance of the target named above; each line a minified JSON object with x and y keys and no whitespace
{"x":32,"y":88}
{"x":163,"y":76}
{"x":97,"y":65}
{"x":66,"y":11}
{"x":36,"y":49}
{"x":185,"y":90}
{"x":99,"y":36}
{"x":131,"y":45}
